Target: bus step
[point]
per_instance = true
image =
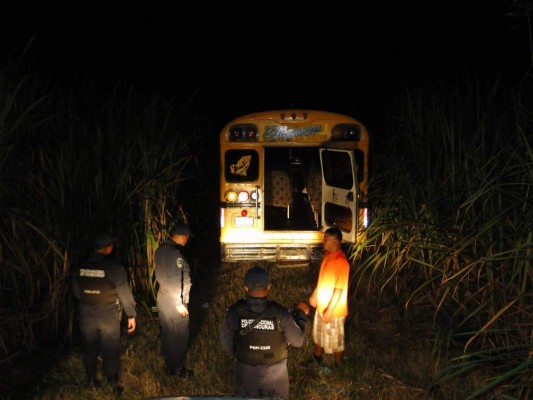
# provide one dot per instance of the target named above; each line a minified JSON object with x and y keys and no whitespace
{"x":292,"y":257}
{"x":292,"y":264}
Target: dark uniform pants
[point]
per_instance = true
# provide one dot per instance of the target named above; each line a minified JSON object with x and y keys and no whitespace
{"x":100,"y":332}
{"x":174,"y":336}
{"x":271,"y":381}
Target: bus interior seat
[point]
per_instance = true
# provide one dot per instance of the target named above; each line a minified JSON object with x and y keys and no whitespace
{"x":278,"y":196}
{"x":280,"y":193}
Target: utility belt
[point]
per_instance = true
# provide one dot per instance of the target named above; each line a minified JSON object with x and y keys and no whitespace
{"x":114,"y":307}
{"x":93,"y":303}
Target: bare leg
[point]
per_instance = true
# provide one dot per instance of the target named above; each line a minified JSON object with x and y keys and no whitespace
{"x":338,"y":358}
{"x":318,"y":351}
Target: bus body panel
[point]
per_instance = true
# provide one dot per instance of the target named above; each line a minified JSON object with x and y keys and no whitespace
{"x":339,"y":201}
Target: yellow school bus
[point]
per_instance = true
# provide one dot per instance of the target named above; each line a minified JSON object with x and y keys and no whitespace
{"x":286,"y":176}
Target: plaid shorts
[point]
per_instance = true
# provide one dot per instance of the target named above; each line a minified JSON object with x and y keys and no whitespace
{"x":329,"y":336}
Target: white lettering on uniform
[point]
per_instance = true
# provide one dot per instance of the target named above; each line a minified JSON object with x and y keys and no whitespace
{"x":252,"y":347}
{"x":92,"y":273}
{"x":263,"y":325}
{"x":246,"y":322}
{"x":87,"y":291}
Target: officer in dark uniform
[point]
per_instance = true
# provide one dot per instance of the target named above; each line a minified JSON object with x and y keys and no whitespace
{"x":173,"y":275}
{"x":100,"y":282}
{"x":256,"y":333}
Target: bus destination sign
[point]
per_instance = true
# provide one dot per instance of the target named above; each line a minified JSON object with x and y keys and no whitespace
{"x":284,"y":133}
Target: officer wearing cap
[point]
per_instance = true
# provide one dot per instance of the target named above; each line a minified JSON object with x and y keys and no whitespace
{"x":173,"y":274}
{"x":100,"y":282}
{"x":256,"y":333}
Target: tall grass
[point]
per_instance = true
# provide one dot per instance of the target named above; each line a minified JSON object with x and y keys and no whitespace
{"x":452,"y":230}
{"x":74,"y":161}
{"x":32,"y":263}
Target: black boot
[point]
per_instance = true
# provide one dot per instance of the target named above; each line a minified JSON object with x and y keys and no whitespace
{"x":92,"y":381}
{"x":113,"y":380}
{"x":313,"y":361}
{"x":185,"y":373}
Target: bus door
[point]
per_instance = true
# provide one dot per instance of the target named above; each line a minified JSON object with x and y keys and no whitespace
{"x":340,"y":207}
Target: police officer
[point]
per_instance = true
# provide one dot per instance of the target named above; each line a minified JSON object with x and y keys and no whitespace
{"x":256,"y":333}
{"x":173,"y":275}
{"x":101,"y":284}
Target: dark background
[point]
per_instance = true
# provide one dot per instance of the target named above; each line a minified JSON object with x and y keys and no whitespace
{"x":232,"y":58}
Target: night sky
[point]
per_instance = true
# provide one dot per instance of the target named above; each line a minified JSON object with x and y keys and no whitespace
{"x":240,"y":58}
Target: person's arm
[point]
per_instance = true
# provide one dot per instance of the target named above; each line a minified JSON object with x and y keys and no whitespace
{"x":294,"y":324}
{"x":227,"y":334}
{"x":125,"y":296}
{"x":313,"y":299}
{"x":185,"y":288}
{"x":328,"y":311}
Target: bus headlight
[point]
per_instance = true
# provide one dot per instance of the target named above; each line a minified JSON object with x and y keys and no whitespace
{"x":231,"y":196}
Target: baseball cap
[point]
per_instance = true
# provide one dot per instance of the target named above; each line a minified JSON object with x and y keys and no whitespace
{"x":181,"y":229}
{"x":256,"y":278}
{"x":104,"y":239}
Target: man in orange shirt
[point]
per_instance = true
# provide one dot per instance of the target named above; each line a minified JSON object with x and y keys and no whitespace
{"x":330,"y":298}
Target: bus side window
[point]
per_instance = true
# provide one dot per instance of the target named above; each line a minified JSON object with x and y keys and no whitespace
{"x":337,"y":169}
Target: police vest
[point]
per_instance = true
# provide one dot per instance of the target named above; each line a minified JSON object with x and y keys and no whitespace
{"x":95,"y":288}
{"x":265,"y":343}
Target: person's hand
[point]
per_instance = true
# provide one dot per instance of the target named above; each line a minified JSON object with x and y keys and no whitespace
{"x":327,"y":316}
{"x":182,"y":310}
{"x":302,"y":307}
{"x":312,"y":299}
{"x":131,"y":325}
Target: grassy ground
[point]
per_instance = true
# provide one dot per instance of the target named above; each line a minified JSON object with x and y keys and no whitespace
{"x":385,"y":358}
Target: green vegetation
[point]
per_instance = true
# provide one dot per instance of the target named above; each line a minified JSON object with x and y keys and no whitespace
{"x":452,"y":231}
{"x":441,"y":303}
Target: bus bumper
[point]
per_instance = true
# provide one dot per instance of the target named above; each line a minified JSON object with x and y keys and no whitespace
{"x":284,"y":255}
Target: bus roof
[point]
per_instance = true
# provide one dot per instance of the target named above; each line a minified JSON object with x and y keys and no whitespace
{"x":286,"y":115}
{"x":317,"y":125}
